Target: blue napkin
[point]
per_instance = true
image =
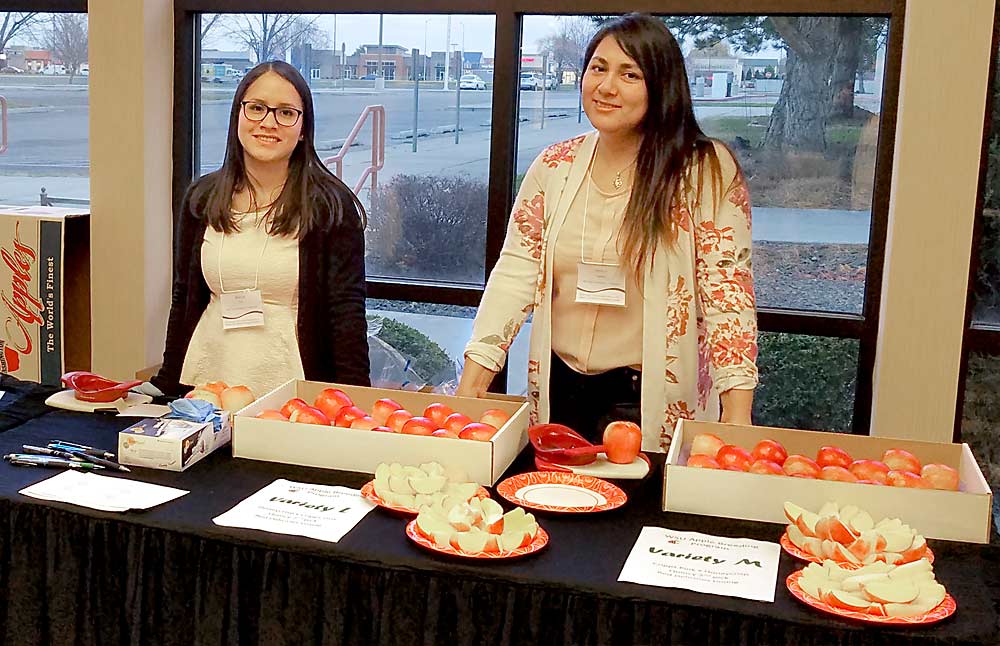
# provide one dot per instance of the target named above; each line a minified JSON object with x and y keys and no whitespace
{"x":195,"y":410}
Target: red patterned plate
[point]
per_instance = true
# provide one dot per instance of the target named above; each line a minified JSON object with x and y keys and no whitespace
{"x":793,"y":549}
{"x":368,"y":491}
{"x":541,"y":540}
{"x":943,"y":610}
{"x":561,"y":492}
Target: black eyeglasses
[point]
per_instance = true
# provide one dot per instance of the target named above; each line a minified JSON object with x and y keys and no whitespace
{"x":283,"y":116}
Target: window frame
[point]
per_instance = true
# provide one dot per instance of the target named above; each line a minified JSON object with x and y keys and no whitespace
{"x":503,"y":140}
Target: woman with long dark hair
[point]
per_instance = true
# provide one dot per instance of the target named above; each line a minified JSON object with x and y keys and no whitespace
{"x":269,"y":276}
{"x":630,"y":246}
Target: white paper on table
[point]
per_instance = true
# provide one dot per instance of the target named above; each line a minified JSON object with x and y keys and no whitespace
{"x":732,"y":567}
{"x":144,"y":410}
{"x":322,"y":512}
{"x":101,"y":492}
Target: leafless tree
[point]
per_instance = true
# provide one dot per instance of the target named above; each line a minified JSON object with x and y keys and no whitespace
{"x":270,"y":35}
{"x":567,"y":45}
{"x":209,"y":21}
{"x":17,"y":23}
{"x":68,"y":40}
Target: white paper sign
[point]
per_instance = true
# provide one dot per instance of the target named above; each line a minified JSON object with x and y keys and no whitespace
{"x":732,"y":567}
{"x":322,"y":512}
{"x":101,"y":492}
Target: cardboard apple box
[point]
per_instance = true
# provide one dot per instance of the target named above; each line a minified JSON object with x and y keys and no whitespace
{"x":963,"y":515}
{"x":347,"y":449}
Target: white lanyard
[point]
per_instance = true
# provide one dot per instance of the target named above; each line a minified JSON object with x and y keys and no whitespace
{"x":598,"y":283}
{"x":256,"y":274}
{"x":245,"y":307}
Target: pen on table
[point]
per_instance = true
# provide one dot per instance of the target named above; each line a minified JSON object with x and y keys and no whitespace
{"x":96,"y":460}
{"x":31,"y":460}
{"x":82,"y":448}
{"x":56,"y":453}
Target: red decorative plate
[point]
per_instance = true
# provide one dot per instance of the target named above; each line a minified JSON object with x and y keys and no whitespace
{"x":943,"y":610}
{"x":561,"y":492}
{"x":793,"y":549}
{"x":368,"y":491}
{"x":541,"y":540}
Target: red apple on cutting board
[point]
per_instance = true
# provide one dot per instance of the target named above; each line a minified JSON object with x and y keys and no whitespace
{"x":622,"y":441}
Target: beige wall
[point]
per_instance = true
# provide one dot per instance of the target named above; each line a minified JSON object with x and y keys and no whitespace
{"x":945,"y":74}
{"x":131,"y":78}
{"x":943,"y":85}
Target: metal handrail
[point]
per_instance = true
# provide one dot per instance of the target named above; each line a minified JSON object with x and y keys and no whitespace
{"x":377,"y":113}
{"x":3,"y":125}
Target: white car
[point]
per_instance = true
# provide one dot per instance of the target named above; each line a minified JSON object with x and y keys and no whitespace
{"x":471,"y":82}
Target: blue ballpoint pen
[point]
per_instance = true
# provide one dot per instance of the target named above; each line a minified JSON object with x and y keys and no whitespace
{"x":82,"y":448}
{"x":31,"y":460}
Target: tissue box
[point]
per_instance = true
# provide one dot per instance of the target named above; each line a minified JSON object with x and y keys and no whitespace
{"x":171,"y":444}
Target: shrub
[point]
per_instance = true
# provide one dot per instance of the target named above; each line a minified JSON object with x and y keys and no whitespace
{"x":806,"y":382}
{"x":428,"y":227}
{"x":429,"y":360}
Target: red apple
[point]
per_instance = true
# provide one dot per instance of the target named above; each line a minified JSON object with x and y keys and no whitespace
{"x":731,"y":455}
{"x":906,"y":479}
{"x":217,"y":387}
{"x":383,"y":408}
{"x":236,"y":398}
{"x":770,"y":451}
{"x":309,"y":415}
{"x":706,"y":444}
{"x":940,"y":476}
{"x":438,"y":413}
{"x":703,"y":462}
{"x":494,"y":417}
{"x":833,"y":456}
{"x":418,"y":426}
{"x":445,"y":432}
{"x":456,"y":422}
{"x":801,"y":466}
{"x":397,"y":418}
{"x":838,"y":473}
{"x":292,"y":404}
{"x":365,"y":423}
{"x":382,"y":429}
{"x":622,"y":441}
{"x":206,"y":396}
{"x":901,"y":460}
{"x":270,"y":413}
{"x":766,"y":467}
{"x":871,"y":482}
{"x":478,"y":431}
{"x":870,"y":470}
{"x":331,"y":401}
{"x":347,"y":415}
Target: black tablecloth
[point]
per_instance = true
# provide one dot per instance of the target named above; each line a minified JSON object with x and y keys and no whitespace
{"x":170,"y":576}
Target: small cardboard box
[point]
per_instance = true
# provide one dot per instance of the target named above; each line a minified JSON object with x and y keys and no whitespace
{"x":44,"y":292}
{"x":963,"y":515}
{"x":358,"y":450}
{"x":171,"y":444}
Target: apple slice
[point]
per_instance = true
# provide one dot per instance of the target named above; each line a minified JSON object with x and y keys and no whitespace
{"x":796,"y":536}
{"x":427,"y":484}
{"x":472,"y":541}
{"x":897,"y":540}
{"x":513,"y":539}
{"x":835,"y":572}
{"x":855,"y":583}
{"x":430,"y":523}
{"x":843,"y":555}
{"x":891,"y":591}
{"x":916,"y":551}
{"x":807,"y":522}
{"x":846,"y":600}
{"x":861,"y":522}
{"x":840,"y":532}
{"x":830,"y":508}
{"x":792,"y":512}
{"x":814,"y":546}
{"x":912,"y":569}
{"x":400,"y":484}
{"x":876,"y":609}
{"x":847,"y":512}
{"x":863,"y":545}
{"x":492,"y":516}
{"x":892,"y":558}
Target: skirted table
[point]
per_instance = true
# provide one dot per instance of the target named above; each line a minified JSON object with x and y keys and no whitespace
{"x":171,"y":576}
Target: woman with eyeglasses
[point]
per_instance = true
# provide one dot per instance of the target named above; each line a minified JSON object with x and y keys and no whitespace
{"x":630,"y":246}
{"x":269,"y":274}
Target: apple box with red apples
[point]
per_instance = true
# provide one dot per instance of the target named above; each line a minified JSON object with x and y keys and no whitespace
{"x":44,"y":292}
{"x":935,"y":487}
{"x":354,"y":428}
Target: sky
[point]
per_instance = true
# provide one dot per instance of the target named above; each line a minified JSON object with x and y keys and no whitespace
{"x":410,"y":31}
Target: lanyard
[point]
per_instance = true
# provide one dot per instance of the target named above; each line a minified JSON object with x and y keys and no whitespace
{"x":256,"y":274}
{"x":586,"y":208}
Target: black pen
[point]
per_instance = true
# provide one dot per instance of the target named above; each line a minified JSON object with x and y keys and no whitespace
{"x":100,"y":461}
{"x":82,"y":448}
{"x":57,"y":453}
{"x":31,"y":460}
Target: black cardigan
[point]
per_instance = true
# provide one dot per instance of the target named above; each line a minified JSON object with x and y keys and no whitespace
{"x":331,"y":326}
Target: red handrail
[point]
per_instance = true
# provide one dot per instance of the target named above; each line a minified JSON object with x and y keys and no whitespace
{"x":377,"y":113}
{"x":3,"y":125}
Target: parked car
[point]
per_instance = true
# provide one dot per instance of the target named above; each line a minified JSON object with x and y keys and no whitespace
{"x":530,"y":81}
{"x":10,"y":69}
{"x":471,"y":82}
{"x":551,"y":82}
{"x":368,"y":77}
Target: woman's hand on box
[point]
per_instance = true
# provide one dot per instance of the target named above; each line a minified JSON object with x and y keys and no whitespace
{"x":475,"y":381}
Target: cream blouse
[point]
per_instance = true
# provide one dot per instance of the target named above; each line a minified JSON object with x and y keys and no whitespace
{"x":264,"y":357}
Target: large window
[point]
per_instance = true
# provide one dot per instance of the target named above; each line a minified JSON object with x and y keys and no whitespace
{"x":426,"y":195}
{"x":43,"y":81}
{"x":806,"y":102}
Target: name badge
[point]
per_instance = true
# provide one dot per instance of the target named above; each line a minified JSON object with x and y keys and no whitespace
{"x":242,"y":309}
{"x":600,"y":284}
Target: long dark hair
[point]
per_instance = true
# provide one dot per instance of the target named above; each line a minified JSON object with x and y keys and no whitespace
{"x":673,"y":145}
{"x":312,"y":196}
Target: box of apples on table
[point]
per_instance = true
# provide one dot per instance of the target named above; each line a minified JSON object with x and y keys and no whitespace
{"x":749,"y":472}
{"x":354,"y":428}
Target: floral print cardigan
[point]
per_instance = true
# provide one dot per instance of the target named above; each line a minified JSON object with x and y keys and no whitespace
{"x":699,"y":317}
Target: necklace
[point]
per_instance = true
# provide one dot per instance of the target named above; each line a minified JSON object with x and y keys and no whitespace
{"x":618,"y":181}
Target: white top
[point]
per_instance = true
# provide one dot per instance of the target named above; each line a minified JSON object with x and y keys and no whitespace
{"x":263,"y":357}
